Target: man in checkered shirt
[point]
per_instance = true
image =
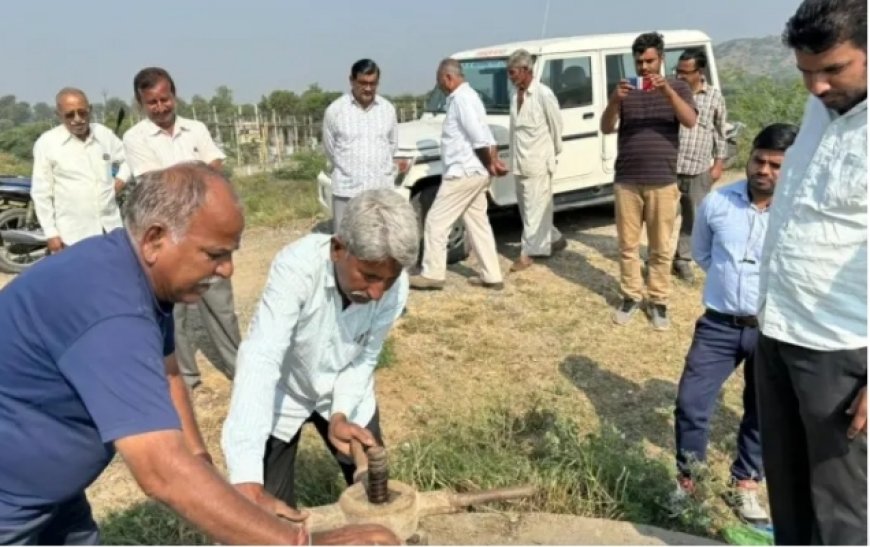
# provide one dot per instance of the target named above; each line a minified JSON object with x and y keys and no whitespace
{"x":700,"y":145}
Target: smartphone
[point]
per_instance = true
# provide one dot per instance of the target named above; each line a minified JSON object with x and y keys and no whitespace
{"x":643,"y":83}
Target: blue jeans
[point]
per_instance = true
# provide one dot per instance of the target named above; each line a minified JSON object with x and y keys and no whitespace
{"x":717,"y":350}
{"x":67,"y":523}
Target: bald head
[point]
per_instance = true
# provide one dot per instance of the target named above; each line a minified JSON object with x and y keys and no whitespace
{"x":171,"y":196}
{"x":73,"y":92}
{"x":185,"y":223}
{"x":449,"y":75}
{"x":74,"y":111}
{"x":450,"y":66}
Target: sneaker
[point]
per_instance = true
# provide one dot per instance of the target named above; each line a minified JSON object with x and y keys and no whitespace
{"x":425,"y":284}
{"x":683,"y":270}
{"x":658,"y":314}
{"x":559,"y":245}
{"x":683,"y":492}
{"x":625,"y":311}
{"x":746,"y":503}
{"x":478,"y":282}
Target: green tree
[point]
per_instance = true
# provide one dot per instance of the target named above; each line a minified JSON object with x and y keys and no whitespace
{"x":283,"y":102}
{"x":760,"y":101}
{"x":43,"y":112}
{"x":222,"y":101}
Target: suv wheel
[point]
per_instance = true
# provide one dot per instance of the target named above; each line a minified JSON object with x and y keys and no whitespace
{"x":457,"y":245}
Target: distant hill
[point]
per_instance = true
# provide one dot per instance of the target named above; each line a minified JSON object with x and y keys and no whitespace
{"x":756,"y":57}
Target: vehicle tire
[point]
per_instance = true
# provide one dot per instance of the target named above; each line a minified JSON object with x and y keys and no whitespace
{"x":15,"y":260}
{"x":457,"y":244}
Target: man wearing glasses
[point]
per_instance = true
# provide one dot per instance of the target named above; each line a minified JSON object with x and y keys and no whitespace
{"x":360,"y":136}
{"x":699,"y":146}
{"x":73,"y":190}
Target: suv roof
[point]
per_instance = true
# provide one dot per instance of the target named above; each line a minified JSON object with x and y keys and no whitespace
{"x":580,"y":43}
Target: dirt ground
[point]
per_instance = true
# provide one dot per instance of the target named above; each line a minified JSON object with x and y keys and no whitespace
{"x":547,"y":337}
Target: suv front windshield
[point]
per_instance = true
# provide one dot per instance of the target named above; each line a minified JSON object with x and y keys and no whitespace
{"x":486,"y":76}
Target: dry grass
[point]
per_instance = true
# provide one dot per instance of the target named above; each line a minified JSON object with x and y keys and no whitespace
{"x":547,"y":338}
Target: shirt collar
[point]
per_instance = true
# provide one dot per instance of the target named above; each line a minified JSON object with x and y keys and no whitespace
{"x":67,"y":136}
{"x":181,"y":124}
{"x":375,"y":102}
{"x":459,"y":88}
{"x":740,"y":188}
{"x":855,"y":110}
{"x":532,"y":88}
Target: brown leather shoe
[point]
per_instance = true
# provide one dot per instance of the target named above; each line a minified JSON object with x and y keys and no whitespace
{"x":521,"y":264}
{"x":478,"y":282}
{"x":424,"y":283}
{"x":559,"y":245}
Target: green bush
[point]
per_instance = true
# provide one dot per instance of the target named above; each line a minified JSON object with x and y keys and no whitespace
{"x":760,"y":101}
{"x":272,"y":201}
{"x":305,"y":166}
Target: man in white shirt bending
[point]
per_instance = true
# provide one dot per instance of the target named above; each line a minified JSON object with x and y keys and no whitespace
{"x":73,"y":189}
{"x":313,"y":344}
{"x":360,"y":136}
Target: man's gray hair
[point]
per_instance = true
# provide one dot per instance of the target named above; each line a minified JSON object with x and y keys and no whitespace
{"x":521,"y":59}
{"x":69,"y":91}
{"x":450,"y":66}
{"x":170,"y":197}
{"x":381,"y":224}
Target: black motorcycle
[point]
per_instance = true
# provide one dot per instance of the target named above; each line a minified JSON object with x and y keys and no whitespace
{"x":22,"y":241}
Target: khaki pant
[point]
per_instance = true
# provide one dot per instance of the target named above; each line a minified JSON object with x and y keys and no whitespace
{"x":535,"y":201}
{"x":655,"y":205}
{"x":466,"y":198}
{"x":218,"y":314}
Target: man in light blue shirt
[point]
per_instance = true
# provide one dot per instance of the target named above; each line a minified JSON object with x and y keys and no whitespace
{"x":726,"y":242}
{"x":313,"y":344}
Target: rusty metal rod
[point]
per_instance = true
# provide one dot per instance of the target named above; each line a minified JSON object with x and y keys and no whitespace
{"x":496,"y":494}
{"x":379,"y":475}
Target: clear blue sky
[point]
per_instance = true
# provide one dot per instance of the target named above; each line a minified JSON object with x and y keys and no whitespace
{"x":255,"y":46}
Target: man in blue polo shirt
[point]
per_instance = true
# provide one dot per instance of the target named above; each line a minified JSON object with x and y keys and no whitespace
{"x":727,"y":238}
{"x":87,"y":369}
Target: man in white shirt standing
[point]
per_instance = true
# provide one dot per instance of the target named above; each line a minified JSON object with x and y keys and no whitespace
{"x":360,"y":136}
{"x":535,"y":141}
{"x":161,"y":140}
{"x":811,"y":361}
{"x":313,"y":344}
{"x":72,"y":188}
{"x":468,"y":152}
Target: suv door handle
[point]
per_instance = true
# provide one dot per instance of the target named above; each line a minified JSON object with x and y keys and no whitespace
{"x":588,"y":115}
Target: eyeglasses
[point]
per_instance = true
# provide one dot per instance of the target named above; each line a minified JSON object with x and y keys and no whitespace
{"x":81,"y":113}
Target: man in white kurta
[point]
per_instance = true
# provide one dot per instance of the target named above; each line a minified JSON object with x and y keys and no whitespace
{"x":73,"y":189}
{"x":535,"y":141}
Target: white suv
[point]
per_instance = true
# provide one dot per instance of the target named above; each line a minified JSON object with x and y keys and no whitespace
{"x":581,"y":71}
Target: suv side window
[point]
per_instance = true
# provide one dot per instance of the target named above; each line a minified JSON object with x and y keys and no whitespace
{"x":570,"y":79}
{"x":621,"y":65}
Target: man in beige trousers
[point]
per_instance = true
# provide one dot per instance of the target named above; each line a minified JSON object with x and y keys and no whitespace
{"x":469,"y":155}
{"x":535,"y":140}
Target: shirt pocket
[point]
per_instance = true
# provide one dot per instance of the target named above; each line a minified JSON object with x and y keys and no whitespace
{"x":847,"y":185}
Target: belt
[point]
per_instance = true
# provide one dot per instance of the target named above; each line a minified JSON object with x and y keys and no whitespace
{"x":733,"y":320}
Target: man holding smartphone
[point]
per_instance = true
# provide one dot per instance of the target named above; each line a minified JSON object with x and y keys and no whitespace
{"x":645,"y":185}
